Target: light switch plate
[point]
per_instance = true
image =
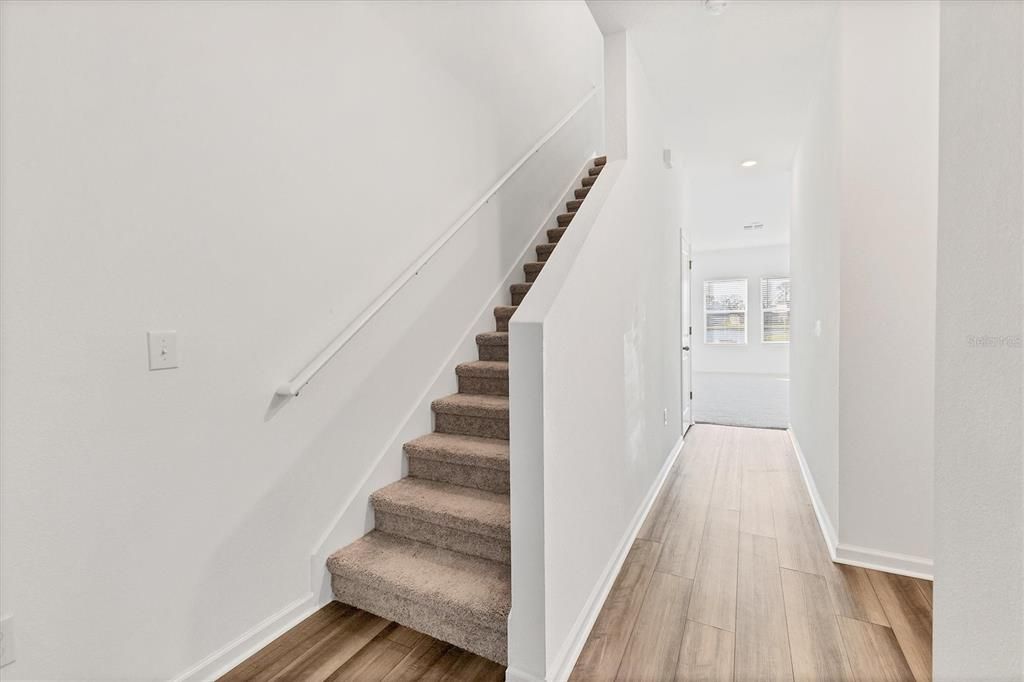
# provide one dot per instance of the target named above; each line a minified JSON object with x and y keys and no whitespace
{"x":163,"y":350}
{"x":6,"y":640}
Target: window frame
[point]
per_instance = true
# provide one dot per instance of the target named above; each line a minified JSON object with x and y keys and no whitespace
{"x":745,"y":311}
{"x":789,"y":310}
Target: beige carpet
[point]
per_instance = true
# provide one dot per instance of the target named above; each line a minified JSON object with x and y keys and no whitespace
{"x":438,"y":561}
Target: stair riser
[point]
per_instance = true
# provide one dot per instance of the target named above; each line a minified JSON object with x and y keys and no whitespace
{"x":517,"y":298}
{"x":581,"y":194}
{"x":481,"y":478}
{"x":444,"y":537}
{"x":544,"y":252}
{"x":489,"y":642}
{"x":493,"y":353}
{"x":589,"y":180}
{"x":532,"y":276}
{"x":594,"y":172}
{"x":555,"y":234}
{"x":501,"y":324}
{"x":563,"y":221}
{"x":471,"y":426}
{"x":574,"y":205}
{"x":483,"y":385}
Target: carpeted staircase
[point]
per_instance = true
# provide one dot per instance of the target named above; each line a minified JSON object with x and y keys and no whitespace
{"x":439,"y":558}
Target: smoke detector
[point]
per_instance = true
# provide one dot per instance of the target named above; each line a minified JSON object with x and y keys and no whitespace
{"x":715,"y":7}
{"x":754,"y":226}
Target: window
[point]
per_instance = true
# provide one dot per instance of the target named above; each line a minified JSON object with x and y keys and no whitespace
{"x":725,"y":311}
{"x":775,"y":309}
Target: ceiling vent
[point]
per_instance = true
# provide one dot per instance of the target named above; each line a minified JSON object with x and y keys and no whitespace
{"x":754,"y":226}
{"x":715,"y":7}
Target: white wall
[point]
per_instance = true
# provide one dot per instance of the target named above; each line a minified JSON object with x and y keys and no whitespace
{"x":979,"y":444}
{"x":745,"y":384}
{"x":890,"y":106}
{"x":251,"y":175}
{"x":719,"y":203}
{"x":814,"y":266}
{"x":863,"y":264}
{"x":598,"y":337}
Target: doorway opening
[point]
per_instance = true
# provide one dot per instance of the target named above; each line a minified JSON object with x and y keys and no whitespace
{"x":737,"y":295}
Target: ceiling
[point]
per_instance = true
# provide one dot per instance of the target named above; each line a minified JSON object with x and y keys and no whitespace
{"x":735,"y":86}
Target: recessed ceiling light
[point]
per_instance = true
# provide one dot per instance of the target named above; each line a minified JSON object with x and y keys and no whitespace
{"x":748,"y":164}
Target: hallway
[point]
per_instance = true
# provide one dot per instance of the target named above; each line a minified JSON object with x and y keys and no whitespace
{"x":729,"y":579}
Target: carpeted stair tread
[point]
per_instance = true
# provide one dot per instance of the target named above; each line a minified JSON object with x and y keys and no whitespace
{"x":487,"y":369}
{"x":476,"y":589}
{"x":595,"y":171}
{"x":532,"y":270}
{"x":492,"y":339}
{"x":600,"y":161}
{"x":505,"y":311}
{"x":444,"y":504}
{"x":493,"y":346}
{"x":502,"y":315}
{"x":574,"y":204}
{"x":489,"y":453}
{"x":589,"y":180}
{"x":544,"y":251}
{"x":555,"y":234}
{"x":519,"y":292}
{"x":581,"y":194}
{"x":565,"y":218}
{"x":470,"y":405}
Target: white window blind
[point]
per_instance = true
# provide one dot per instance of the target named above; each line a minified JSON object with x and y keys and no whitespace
{"x":775,"y":309}
{"x":725,"y":311}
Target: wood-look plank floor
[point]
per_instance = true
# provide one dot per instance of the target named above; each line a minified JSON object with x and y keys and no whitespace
{"x":340,"y":642}
{"x":730,"y":580}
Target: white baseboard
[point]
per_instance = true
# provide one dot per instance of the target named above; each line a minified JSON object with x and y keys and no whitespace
{"x":887,"y":562}
{"x":516,"y":675}
{"x":828,"y":530}
{"x":852,"y":555}
{"x":565,"y":661}
{"x":224,"y":659}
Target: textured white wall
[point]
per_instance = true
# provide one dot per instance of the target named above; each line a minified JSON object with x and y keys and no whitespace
{"x":863,"y":264}
{"x":814,"y":264}
{"x":889,"y":200}
{"x":600,"y":333}
{"x":252,"y":175}
{"x":979,"y":454}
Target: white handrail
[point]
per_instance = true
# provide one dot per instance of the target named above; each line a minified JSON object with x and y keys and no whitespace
{"x":293,"y":387}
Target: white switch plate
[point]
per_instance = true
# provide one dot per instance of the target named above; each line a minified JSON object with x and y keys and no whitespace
{"x":6,"y":640}
{"x":163,"y":350}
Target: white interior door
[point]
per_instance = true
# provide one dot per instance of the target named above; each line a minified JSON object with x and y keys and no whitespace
{"x":685,"y":333}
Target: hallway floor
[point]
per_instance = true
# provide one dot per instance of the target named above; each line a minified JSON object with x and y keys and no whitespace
{"x":729,"y":579}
